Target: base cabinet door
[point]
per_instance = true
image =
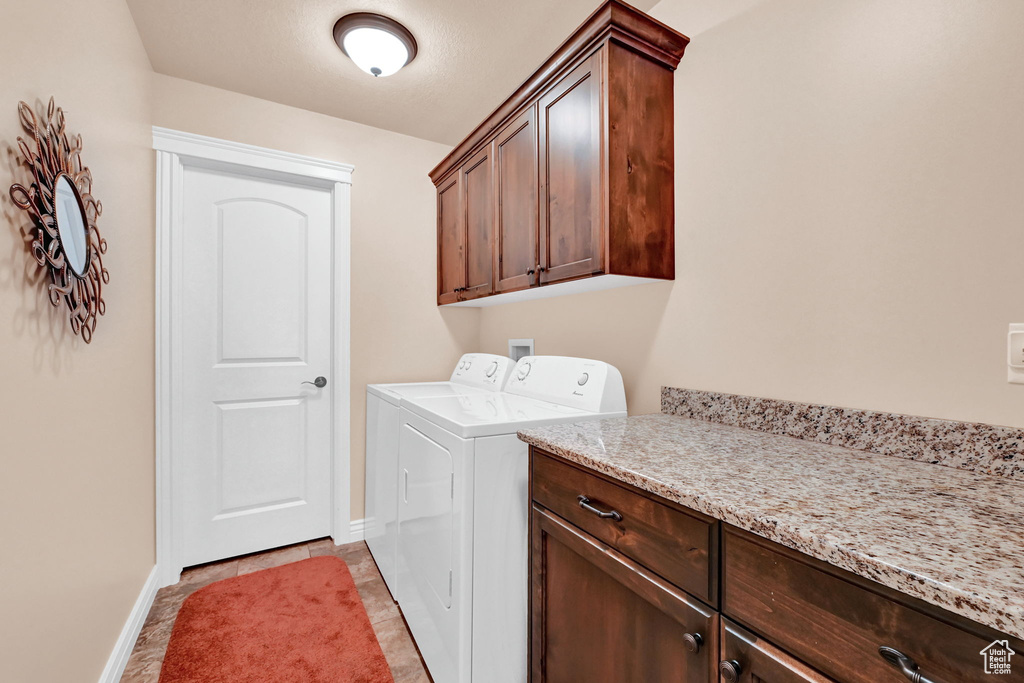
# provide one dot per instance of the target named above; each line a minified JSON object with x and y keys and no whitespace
{"x":747,"y":658}
{"x":598,"y":617}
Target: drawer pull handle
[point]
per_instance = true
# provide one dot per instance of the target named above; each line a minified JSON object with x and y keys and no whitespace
{"x":692,"y":641}
{"x":585,"y":504}
{"x":730,"y":670}
{"x":907,"y":666}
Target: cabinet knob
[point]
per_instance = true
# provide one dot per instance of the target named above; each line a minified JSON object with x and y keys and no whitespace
{"x":730,"y":670}
{"x":692,"y":641}
{"x":530,"y":271}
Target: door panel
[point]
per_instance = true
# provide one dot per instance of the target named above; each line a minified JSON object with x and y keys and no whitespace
{"x":597,"y":616}
{"x":262,"y":246}
{"x":516,"y":231}
{"x":572,"y":219}
{"x":451,"y":264}
{"x":478,"y":197}
{"x":256,"y":261}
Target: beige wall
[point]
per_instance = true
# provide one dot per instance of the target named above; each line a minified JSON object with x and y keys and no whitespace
{"x":849,"y":201}
{"x":398,"y":333}
{"x":76,"y":449}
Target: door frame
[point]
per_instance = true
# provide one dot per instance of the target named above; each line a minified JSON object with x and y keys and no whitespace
{"x":176,"y":151}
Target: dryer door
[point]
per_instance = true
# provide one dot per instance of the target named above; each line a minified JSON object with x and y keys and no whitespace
{"x":435,"y":544}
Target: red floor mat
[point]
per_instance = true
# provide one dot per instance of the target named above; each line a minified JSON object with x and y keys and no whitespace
{"x":299,"y":623}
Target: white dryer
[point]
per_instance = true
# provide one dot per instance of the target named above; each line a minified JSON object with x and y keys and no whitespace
{"x":480,"y":373}
{"x":464,"y":511}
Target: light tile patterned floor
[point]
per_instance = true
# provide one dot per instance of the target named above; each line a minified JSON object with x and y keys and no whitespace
{"x":395,"y":641}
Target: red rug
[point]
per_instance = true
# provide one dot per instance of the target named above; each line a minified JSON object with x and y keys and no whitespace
{"x":299,"y":623}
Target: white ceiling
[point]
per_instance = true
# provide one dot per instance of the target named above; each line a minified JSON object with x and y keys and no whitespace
{"x":472,"y":54}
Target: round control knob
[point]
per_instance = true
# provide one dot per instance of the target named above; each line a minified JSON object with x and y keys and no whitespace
{"x":468,"y":363}
{"x":692,"y":641}
{"x":492,"y":368}
{"x":730,"y":670}
{"x":583,"y":379}
{"x":462,"y":365}
{"x":524,"y":370}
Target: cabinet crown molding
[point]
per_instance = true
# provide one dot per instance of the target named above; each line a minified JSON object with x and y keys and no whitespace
{"x":613,"y":20}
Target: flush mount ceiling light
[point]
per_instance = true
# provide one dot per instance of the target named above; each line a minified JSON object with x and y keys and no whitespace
{"x":378,"y":45}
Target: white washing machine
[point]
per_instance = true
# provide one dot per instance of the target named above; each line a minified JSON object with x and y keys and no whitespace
{"x":463,"y":512}
{"x":480,"y":373}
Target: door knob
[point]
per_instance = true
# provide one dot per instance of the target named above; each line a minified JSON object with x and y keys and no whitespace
{"x":319,"y":382}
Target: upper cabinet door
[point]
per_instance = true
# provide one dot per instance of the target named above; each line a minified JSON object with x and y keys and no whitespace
{"x":515,"y":256}
{"x":571,"y":216}
{"x":478,"y":200}
{"x":451,"y":265}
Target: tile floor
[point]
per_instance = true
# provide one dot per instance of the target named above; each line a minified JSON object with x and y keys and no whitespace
{"x":395,"y":641}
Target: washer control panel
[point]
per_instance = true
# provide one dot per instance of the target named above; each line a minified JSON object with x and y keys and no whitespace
{"x":577,"y":382}
{"x":484,"y":370}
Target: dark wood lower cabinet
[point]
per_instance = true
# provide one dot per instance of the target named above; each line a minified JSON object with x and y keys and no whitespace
{"x":599,"y":617}
{"x":747,"y":658}
{"x":614,"y":571}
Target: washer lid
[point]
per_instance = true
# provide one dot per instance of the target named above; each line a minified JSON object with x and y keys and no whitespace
{"x":490,"y":414}
{"x":394,"y":393}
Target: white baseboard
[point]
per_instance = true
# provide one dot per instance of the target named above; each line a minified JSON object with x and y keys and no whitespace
{"x":130,"y":633}
{"x":357,"y":529}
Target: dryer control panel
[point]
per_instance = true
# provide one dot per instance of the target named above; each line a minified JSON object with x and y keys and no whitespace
{"x":484,"y":370}
{"x":590,"y":385}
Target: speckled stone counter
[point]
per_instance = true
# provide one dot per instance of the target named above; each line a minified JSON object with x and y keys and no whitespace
{"x":950,"y":537}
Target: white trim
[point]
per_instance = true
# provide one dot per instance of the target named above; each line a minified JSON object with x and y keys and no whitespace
{"x":130,"y":633}
{"x":175,"y":152}
{"x":224,"y":151}
{"x":586,"y":284}
{"x":357,"y":532}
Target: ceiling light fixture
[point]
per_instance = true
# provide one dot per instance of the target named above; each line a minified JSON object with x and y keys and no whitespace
{"x":377,"y":44}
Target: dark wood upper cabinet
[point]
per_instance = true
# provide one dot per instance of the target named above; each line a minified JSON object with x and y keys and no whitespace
{"x":478,"y":201}
{"x":451,"y":265}
{"x":581,"y":157}
{"x":571,"y":220}
{"x":515,"y":253}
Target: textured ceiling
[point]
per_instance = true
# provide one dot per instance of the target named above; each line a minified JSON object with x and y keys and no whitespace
{"x":472,"y":54}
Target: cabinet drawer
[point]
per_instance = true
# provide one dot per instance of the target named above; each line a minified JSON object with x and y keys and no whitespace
{"x":681,"y":546}
{"x":746,"y":658}
{"x":836,"y":621}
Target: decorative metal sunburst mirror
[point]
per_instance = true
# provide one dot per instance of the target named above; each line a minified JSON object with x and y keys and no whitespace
{"x":65,"y":240}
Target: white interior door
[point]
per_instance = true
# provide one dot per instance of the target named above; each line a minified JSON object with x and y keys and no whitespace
{"x":256,"y":304}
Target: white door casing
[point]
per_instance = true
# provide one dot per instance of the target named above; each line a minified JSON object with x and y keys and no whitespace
{"x":252,"y":300}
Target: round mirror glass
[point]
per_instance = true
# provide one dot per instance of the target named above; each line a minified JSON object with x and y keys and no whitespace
{"x":71,"y":225}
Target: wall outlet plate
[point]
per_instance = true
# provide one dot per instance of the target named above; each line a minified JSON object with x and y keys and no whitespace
{"x":1015,"y":354}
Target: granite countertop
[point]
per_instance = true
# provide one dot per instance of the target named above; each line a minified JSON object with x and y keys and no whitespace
{"x":947,"y":536}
